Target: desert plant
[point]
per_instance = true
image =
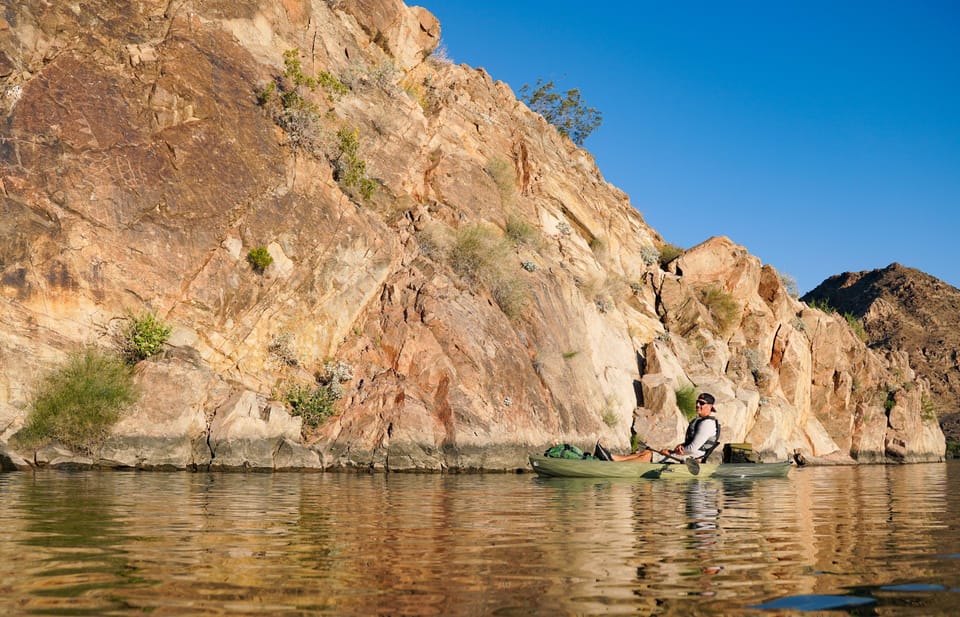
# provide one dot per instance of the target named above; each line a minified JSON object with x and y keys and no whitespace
{"x":286,"y":99}
{"x":669,"y":252}
{"x":315,"y":403}
{"x":440,"y":57}
{"x":509,"y":293}
{"x":598,"y":245}
{"x":80,"y":401}
{"x":822,"y":304}
{"x":143,"y":337}
{"x":566,"y":112}
{"x":331,"y":85}
{"x":928,"y":409}
{"x":856,"y":325}
{"x":287,"y":92}
{"x":790,"y":285}
{"x":281,"y":346}
{"x":349,"y":169}
{"x":722,"y":306}
{"x":521,"y":232}
{"x":480,"y":256}
{"x":649,"y":254}
{"x":609,"y":414}
{"x":504,"y":177}
{"x":259,"y":259}
{"x":687,"y":400}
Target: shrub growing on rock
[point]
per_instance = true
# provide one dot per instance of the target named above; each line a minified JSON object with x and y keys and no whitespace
{"x":80,"y":401}
{"x":143,"y":337}
{"x":315,"y":403}
{"x":259,"y":259}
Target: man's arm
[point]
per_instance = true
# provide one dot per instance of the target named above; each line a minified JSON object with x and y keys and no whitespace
{"x":705,"y":430}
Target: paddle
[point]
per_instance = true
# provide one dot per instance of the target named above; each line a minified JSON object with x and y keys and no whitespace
{"x":692,"y":465}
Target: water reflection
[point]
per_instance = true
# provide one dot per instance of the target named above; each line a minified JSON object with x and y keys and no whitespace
{"x":340,"y":544}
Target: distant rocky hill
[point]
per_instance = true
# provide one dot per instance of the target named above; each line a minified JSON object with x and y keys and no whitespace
{"x":904,"y":308}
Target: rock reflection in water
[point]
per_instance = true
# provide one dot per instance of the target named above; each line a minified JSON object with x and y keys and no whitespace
{"x":342,"y":544}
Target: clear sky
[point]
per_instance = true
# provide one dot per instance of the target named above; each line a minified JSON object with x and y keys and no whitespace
{"x":824,"y":136}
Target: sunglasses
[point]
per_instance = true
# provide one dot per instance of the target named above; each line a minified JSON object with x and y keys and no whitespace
{"x":702,"y":403}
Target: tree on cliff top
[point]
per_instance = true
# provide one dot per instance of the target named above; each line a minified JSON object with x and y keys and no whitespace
{"x":568,"y":113}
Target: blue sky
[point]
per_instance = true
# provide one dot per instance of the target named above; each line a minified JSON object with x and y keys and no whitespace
{"x":822,"y":136}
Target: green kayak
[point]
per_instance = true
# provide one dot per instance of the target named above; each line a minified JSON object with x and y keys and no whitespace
{"x":592,"y":468}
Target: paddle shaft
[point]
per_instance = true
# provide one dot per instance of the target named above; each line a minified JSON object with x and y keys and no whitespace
{"x":690,"y":462}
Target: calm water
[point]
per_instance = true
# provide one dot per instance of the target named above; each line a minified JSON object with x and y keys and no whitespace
{"x":115,"y":543}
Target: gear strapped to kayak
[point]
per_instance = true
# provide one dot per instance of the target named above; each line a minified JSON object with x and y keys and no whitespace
{"x":566,"y":450}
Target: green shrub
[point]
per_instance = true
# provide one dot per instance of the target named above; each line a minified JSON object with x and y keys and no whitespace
{"x":822,"y":304}
{"x":928,"y":409}
{"x":285,"y":99}
{"x":669,"y":252}
{"x":856,"y":325}
{"x":259,"y":259}
{"x":480,"y":256}
{"x":312,"y":403}
{"x":520,"y":231}
{"x":477,"y":253}
{"x":80,"y":401}
{"x":567,"y":112}
{"x":349,"y":169}
{"x":723,"y":307}
{"x":331,"y":85}
{"x":143,"y":337}
{"x":316,"y":403}
{"x":687,"y":400}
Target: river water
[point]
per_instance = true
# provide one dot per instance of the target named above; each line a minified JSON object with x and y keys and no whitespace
{"x":868,"y":540}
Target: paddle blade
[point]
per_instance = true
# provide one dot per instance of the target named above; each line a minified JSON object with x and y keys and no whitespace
{"x":692,"y":465}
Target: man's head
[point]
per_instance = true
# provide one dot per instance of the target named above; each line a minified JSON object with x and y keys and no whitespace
{"x":705,"y":404}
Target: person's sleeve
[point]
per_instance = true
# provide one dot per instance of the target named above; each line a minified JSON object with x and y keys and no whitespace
{"x":704,"y":431}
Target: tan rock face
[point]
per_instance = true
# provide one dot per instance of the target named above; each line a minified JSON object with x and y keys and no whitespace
{"x":139,"y":170}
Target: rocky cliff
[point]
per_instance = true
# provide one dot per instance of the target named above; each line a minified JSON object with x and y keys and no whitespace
{"x":904,"y":308}
{"x":489,"y":291}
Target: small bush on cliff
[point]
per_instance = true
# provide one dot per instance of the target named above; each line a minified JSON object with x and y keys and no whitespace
{"x":80,"y":401}
{"x":315,"y":403}
{"x":649,"y":254}
{"x":259,"y":259}
{"x":349,"y":169}
{"x":856,"y":325}
{"x":687,"y":400}
{"x":823,"y":305}
{"x":567,"y":112}
{"x":143,"y":337}
{"x":723,"y":307}
{"x":669,"y":252}
{"x":480,"y":256}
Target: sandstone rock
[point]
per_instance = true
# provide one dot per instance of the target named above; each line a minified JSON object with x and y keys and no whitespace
{"x":152,"y":202}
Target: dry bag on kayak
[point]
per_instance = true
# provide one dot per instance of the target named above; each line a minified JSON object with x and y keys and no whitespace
{"x":565,"y":450}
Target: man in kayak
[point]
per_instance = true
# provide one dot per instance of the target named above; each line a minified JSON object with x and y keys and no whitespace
{"x":703,"y":435}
